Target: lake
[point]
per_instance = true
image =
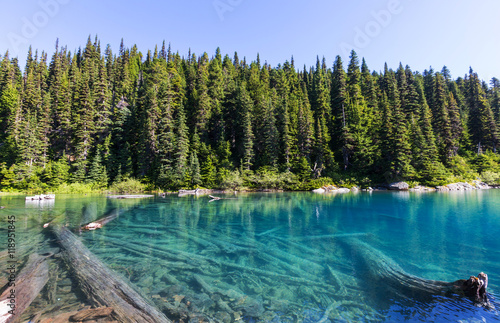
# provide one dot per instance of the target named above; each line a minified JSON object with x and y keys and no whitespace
{"x":281,"y":257}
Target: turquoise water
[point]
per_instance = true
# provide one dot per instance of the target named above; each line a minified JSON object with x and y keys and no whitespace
{"x":290,"y":257}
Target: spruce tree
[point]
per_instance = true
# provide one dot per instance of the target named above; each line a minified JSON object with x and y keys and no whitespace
{"x":305,"y":125}
{"x":338,"y":96}
{"x":442,"y":126}
{"x":181,"y":145}
{"x":484,"y":132}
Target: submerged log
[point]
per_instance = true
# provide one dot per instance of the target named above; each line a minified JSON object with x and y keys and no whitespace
{"x":382,"y":270}
{"x":101,"y":285}
{"x":91,"y":314}
{"x":22,"y":290}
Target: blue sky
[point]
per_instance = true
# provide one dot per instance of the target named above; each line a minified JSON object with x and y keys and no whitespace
{"x":421,"y":33}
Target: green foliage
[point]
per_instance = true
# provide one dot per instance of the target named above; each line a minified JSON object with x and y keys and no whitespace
{"x":413,"y":184}
{"x":75,"y":188}
{"x":97,"y":176}
{"x":178,"y":122}
{"x":231,"y":180}
{"x":303,"y":170}
{"x":487,"y":162}
{"x":56,"y":173}
{"x":268,"y":178}
{"x":128,"y":185}
{"x":462,"y":168}
{"x":208,"y":173}
{"x":316,"y":183}
{"x":491,"y":178}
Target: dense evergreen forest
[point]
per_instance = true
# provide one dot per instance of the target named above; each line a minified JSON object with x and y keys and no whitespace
{"x":98,"y":118}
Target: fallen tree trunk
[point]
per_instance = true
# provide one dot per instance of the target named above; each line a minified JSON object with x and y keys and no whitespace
{"x":97,"y":224}
{"x":389,"y":276}
{"x":91,"y":314}
{"x":120,"y":197}
{"x":23,"y":288}
{"x":101,"y":285}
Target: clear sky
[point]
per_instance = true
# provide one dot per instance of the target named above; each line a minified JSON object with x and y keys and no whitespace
{"x":420,"y":33}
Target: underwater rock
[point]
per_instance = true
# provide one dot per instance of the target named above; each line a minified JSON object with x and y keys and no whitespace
{"x":250,"y":306}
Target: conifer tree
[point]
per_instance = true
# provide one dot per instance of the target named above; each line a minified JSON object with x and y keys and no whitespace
{"x":320,"y":105}
{"x":203,"y":110}
{"x":484,"y":132}
{"x":305,"y":130}
{"x":194,"y":170}
{"x":456,"y":128}
{"x":441,"y":119}
{"x":338,"y":96}
{"x":177,"y":122}
{"x":401,"y":148}
{"x":182,"y":145}
{"x":247,"y":138}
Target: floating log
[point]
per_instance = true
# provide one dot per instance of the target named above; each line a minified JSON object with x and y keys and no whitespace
{"x":214,"y":198}
{"x":101,"y":222}
{"x":41,"y":197}
{"x":102,"y":286}
{"x":198,"y":191}
{"x":384,"y":271}
{"x":129,"y":196}
{"x":28,"y":284}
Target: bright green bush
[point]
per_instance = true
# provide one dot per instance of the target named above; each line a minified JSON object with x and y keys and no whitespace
{"x":491,"y":178}
{"x":128,"y":185}
{"x":75,"y":188}
{"x":231,"y":180}
{"x":317,"y":183}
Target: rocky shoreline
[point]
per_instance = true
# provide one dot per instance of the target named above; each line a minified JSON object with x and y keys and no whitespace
{"x":403,"y":186}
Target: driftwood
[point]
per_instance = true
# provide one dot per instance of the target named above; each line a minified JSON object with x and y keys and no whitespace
{"x":384,"y":271}
{"x":129,"y":196}
{"x":101,"y":222}
{"x":25,"y":288}
{"x":91,"y":314}
{"x":214,"y":198}
{"x":101,"y":285}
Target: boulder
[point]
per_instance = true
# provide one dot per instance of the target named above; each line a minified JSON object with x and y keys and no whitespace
{"x":319,"y":190}
{"x":480,"y":185}
{"x":399,"y":186}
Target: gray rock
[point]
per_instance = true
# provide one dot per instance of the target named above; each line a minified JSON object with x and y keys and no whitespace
{"x":399,"y":186}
